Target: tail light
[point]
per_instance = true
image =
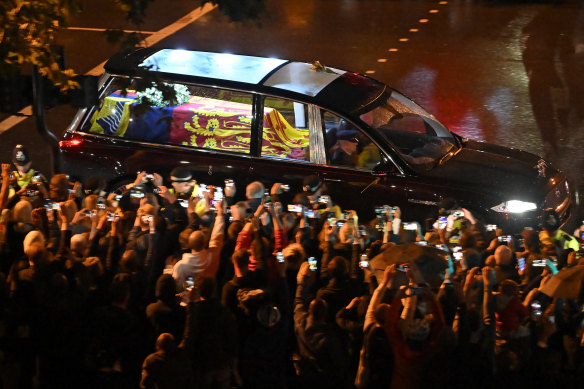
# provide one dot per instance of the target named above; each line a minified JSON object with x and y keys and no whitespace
{"x":70,"y":143}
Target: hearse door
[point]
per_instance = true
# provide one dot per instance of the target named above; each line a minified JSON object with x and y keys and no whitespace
{"x":283,"y":146}
{"x":356,"y":172}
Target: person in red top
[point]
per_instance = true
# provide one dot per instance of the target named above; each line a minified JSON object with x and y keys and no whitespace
{"x":510,"y":311}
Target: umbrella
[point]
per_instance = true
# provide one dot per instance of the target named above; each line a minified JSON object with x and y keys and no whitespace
{"x":430,"y":261}
{"x":565,"y":284}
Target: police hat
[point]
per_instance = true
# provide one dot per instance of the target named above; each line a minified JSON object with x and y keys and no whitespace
{"x":20,"y":155}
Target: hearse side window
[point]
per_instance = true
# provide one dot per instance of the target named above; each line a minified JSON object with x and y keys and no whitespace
{"x":207,"y":118}
{"x":285,"y":130}
{"x":348,"y":146}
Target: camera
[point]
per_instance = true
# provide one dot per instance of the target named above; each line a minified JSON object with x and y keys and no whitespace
{"x":228,"y":183}
{"x":312,"y":264}
{"x":149,"y":177}
{"x":504,"y":238}
{"x":491,"y":227}
{"x":111,"y":216}
{"x":101,"y":203}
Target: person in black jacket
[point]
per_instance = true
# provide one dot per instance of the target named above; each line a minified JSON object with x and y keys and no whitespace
{"x":210,"y":338}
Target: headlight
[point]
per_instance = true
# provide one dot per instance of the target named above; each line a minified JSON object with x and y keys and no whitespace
{"x":514,"y":206}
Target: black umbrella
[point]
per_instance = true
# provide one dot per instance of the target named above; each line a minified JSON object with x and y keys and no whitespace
{"x":430,"y":261}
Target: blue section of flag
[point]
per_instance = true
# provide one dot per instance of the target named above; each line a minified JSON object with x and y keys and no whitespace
{"x":111,"y":123}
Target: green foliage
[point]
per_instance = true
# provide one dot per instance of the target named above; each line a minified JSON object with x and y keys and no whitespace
{"x":28,"y":30}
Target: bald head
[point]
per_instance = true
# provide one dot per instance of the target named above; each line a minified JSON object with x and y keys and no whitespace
{"x":503,"y":255}
{"x":196,"y":241}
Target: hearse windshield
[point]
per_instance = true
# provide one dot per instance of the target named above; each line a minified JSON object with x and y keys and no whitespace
{"x":420,"y":138}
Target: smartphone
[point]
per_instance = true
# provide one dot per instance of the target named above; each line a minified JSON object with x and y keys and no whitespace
{"x":340,"y":223}
{"x":402,"y":267}
{"x":364,"y":262}
{"x":137,"y":194}
{"x":111,"y":216}
{"x":539,"y":263}
{"x":118,"y":197}
{"x":456,"y":249}
{"x":421,"y":243}
{"x":442,"y":222}
{"x":189,"y":283}
{"x":310,"y":213}
{"x":149,"y":177}
{"x":536,"y":308}
{"x":312,"y":264}
{"x":491,"y":227}
{"x":332,"y":221}
{"x":228,"y":183}
{"x":521,"y":263}
{"x":324,"y":199}
{"x":101,"y":203}
{"x":458,"y":255}
{"x":412,"y":226}
{"x":56,"y":206}
{"x":48,"y":204}
{"x":183,"y":203}
{"x":458,"y":213}
{"x":294,"y":208}
{"x":442,"y":247}
{"x":280,"y":257}
{"x":504,"y":238}
{"x":202,"y":190}
{"x":218,"y":194}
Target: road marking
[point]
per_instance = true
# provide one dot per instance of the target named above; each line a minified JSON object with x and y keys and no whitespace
{"x":156,"y":37}
{"x":107,"y":29}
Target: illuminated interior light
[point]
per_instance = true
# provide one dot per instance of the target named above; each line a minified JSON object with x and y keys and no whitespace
{"x":382,"y":60}
{"x":403,"y":39}
{"x":393,"y":50}
{"x":414,"y":30}
{"x":423,"y":20}
{"x":434,"y":11}
{"x":369,"y":71}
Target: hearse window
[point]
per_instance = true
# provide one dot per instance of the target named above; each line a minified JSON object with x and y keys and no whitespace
{"x":347,"y":146}
{"x":285,"y":130}
{"x":207,"y":118}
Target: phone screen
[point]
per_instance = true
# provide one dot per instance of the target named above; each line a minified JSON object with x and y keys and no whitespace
{"x":442,"y":222}
{"x":280,"y":256}
{"x":521,"y":264}
{"x":312,"y":265}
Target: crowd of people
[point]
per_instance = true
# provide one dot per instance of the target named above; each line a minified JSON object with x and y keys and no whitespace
{"x":171,"y":283}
